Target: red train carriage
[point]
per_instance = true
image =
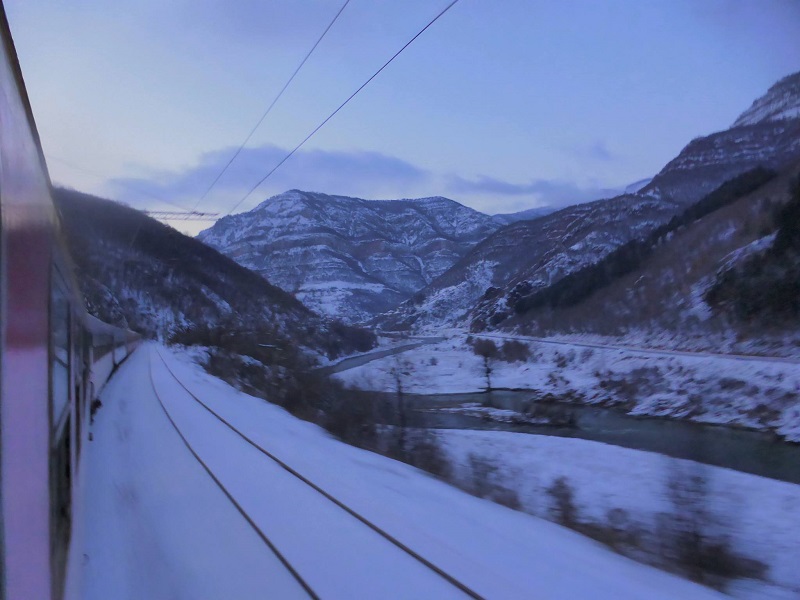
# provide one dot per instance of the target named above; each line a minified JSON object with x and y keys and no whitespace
{"x":53,"y":357}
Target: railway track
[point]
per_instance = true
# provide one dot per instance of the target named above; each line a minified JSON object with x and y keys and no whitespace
{"x":466,"y":590}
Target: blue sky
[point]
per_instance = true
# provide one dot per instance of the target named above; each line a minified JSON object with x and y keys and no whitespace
{"x":502,"y":105}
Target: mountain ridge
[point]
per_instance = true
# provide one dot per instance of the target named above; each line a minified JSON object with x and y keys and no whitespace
{"x":141,"y":274}
{"x":782,"y":101}
{"x":575,"y":237}
{"x":350,"y":257}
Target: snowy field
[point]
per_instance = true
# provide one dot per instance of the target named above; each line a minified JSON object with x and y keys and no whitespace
{"x":152,"y":524}
{"x":758,"y":393}
{"x":760,"y":516}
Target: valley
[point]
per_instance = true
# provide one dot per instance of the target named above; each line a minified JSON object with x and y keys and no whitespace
{"x":400,"y":300}
{"x":751,"y":392}
{"x":651,"y":336}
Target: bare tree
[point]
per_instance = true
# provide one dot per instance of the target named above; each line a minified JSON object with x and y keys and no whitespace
{"x":563,"y":510}
{"x":400,"y":372}
{"x":694,"y":536}
{"x":488,"y":351}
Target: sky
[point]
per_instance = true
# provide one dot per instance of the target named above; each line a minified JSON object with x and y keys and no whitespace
{"x":502,"y":105}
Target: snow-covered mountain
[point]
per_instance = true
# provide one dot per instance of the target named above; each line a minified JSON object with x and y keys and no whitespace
{"x":141,"y":274}
{"x":536,"y":254}
{"x":659,"y":285}
{"x":636,"y":186}
{"x":781,"y":102}
{"x":541,"y":251}
{"x":347,"y":257}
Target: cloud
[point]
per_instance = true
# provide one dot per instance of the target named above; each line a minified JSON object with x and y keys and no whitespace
{"x":596,"y":151}
{"x":599,"y":151}
{"x":357,"y":173}
{"x":547,"y":192}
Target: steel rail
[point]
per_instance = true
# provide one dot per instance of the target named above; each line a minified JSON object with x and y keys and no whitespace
{"x":383,"y":533}
{"x":253,"y":525}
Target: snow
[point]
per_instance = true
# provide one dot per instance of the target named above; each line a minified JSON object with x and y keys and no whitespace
{"x":152,"y":524}
{"x":781,"y":102}
{"x":761,"y":516}
{"x":500,"y":415}
{"x":738,"y":255}
{"x":311,"y":242}
{"x":702,"y":386}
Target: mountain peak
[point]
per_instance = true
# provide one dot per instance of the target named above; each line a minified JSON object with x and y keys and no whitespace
{"x":782,"y":101}
{"x":350,"y":257}
{"x":289,"y":195}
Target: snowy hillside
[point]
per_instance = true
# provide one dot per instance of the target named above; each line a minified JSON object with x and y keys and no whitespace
{"x":141,"y":274}
{"x":782,"y":101}
{"x":539,"y":251}
{"x":536,"y":254}
{"x":657,"y":283}
{"x":347,"y":257}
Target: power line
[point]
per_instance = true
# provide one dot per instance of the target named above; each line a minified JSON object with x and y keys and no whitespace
{"x":341,"y":106}
{"x":274,"y":101}
{"x":105,"y":178}
{"x":182,"y":215}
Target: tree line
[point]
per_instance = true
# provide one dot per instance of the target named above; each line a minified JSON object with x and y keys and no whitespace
{"x":577,"y":286}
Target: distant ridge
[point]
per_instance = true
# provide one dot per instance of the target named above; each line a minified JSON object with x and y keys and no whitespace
{"x":142,"y":274}
{"x":348,"y":257}
{"x":536,"y":254}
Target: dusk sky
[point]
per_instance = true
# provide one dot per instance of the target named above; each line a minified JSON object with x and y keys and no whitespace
{"x":501,"y":105}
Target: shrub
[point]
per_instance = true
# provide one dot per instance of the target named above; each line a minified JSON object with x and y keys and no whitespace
{"x":426,"y":453}
{"x":515,"y":351}
{"x":563,"y":508}
{"x":488,"y":351}
{"x":690,"y":532}
{"x":507,"y":497}
{"x":482,"y":471}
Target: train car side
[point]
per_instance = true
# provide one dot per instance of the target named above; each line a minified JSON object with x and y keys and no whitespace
{"x":54,"y":357}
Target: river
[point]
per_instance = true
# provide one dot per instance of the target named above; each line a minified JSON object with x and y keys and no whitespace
{"x":753,"y":452}
{"x":744,"y":450}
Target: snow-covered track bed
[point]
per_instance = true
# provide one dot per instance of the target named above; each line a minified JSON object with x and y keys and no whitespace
{"x":151,"y":523}
{"x":344,"y":537}
{"x":253,"y":525}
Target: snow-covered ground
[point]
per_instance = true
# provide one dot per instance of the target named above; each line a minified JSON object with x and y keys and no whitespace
{"x":759,"y":393}
{"x":760,"y":516}
{"x":152,"y":524}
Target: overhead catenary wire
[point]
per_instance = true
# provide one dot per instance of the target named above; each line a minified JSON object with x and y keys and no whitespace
{"x":269,"y":108}
{"x":341,"y":106}
{"x":142,"y":192}
{"x":132,"y":188}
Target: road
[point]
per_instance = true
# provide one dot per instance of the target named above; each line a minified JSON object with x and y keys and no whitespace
{"x":362,"y":359}
{"x":642,"y":350}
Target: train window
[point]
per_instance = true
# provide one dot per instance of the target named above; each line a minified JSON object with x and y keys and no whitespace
{"x":60,"y":507}
{"x":60,"y":334}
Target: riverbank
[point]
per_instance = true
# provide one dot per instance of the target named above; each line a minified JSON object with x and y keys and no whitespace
{"x":756,"y":394}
